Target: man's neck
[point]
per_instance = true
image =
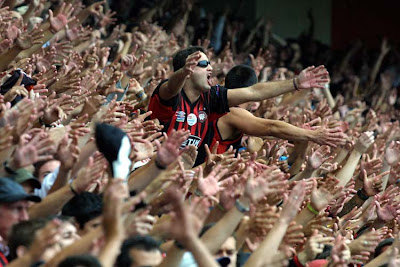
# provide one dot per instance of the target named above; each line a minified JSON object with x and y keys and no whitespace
{"x":192,"y":94}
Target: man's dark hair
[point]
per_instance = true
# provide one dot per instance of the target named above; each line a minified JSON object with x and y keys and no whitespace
{"x":179,"y":59}
{"x":83,"y":207}
{"x":23,"y":234}
{"x":146,"y":243}
{"x":84,"y":260}
{"x":240,"y":76}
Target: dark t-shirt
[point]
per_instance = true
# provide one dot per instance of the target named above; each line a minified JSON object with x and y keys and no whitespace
{"x":179,"y":113}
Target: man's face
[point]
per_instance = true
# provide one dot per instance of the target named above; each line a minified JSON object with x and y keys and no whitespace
{"x":92,"y":224}
{"x":228,"y":249}
{"x":145,"y":258}
{"x":68,"y":234}
{"x":10,"y":214}
{"x":201,"y":77}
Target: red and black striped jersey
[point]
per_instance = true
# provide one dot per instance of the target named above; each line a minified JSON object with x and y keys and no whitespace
{"x":224,"y":144}
{"x":179,"y":113}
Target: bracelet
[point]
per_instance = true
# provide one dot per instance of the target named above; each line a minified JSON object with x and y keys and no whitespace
{"x":310,"y":208}
{"x":159,"y":166}
{"x":73,"y":190}
{"x":140,"y":95}
{"x":361,"y":194}
{"x":8,"y":169}
{"x":295,"y":85}
{"x":240,"y":207}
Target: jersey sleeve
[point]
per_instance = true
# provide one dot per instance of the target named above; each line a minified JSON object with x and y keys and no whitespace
{"x":219,"y":99}
{"x":162,"y":109}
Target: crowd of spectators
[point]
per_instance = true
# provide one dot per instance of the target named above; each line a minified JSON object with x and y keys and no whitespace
{"x":92,"y":174}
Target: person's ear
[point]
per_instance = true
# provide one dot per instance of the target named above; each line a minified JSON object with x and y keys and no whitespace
{"x":20,"y":251}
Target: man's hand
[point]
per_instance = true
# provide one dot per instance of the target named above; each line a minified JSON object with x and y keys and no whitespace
{"x":373,"y":185}
{"x":29,"y":39}
{"x":210,"y":185}
{"x":293,"y":203}
{"x":312,"y":77}
{"x":191,"y":63}
{"x":392,"y":153}
{"x":364,"y":142}
{"x":32,"y":149}
{"x":63,"y":17}
{"x":168,"y":152}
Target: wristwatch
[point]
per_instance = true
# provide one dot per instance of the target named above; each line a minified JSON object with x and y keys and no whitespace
{"x":240,"y":207}
{"x":8,"y":169}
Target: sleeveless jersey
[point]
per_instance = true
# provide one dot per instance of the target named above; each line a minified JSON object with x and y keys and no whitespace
{"x":179,"y":113}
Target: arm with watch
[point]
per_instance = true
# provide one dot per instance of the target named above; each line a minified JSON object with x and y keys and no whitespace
{"x":53,"y":203}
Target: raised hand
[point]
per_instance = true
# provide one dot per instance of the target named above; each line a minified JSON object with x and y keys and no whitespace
{"x":312,"y":77}
{"x":326,"y":135}
{"x":27,"y":40}
{"x":369,"y":165}
{"x":389,"y":211}
{"x":269,"y":182}
{"x":186,"y":220}
{"x":392,"y":153}
{"x":320,"y":197}
{"x":68,"y":153}
{"x":293,"y":203}
{"x":141,"y":224}
{"x":211,"y":184}
{"x":63,"y":17}
{"x":365,"y":243}
{"x":340,"y":253}
{"x":372,"y":185}
{"x":315,"y":245}
{"x":168,"y":152}
{"x":318,"y":157}
{"x":364,"y":142}
{"x":32,"y":149}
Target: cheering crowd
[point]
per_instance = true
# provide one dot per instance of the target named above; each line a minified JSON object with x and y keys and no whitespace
{"x":153,"y":133}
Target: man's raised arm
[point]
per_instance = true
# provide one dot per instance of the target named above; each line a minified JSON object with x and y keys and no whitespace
{"x":311,"y":77}
{"x":175,"y":83}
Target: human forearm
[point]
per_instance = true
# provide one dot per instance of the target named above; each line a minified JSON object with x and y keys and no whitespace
{"x":174,"y":257}
{"x":174,"y":85}
{"x":269,"y":246}
{"x":61,"y":180}
{"x":110,"y":252}
{"x":345,"y":174}
{"x":219,"y":233}
{"x":141,"y":178}
{"x":202,"y":256}
{"x":52,"y":204}
{"x":259,"y":92}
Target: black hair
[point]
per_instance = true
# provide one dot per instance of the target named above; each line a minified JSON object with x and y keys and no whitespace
{"x":83,"y":207}
{"x":23,"y":234}
{"x":84,"y":260}
{"x":240,"y":76}
{"x":146,"y":243}
{"x":179,"y":59}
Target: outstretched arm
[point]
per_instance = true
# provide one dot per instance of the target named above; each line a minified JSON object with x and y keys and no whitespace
{"x":247,"y":123}
{"x":311,"y":77}
{"x":175,"y":83}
